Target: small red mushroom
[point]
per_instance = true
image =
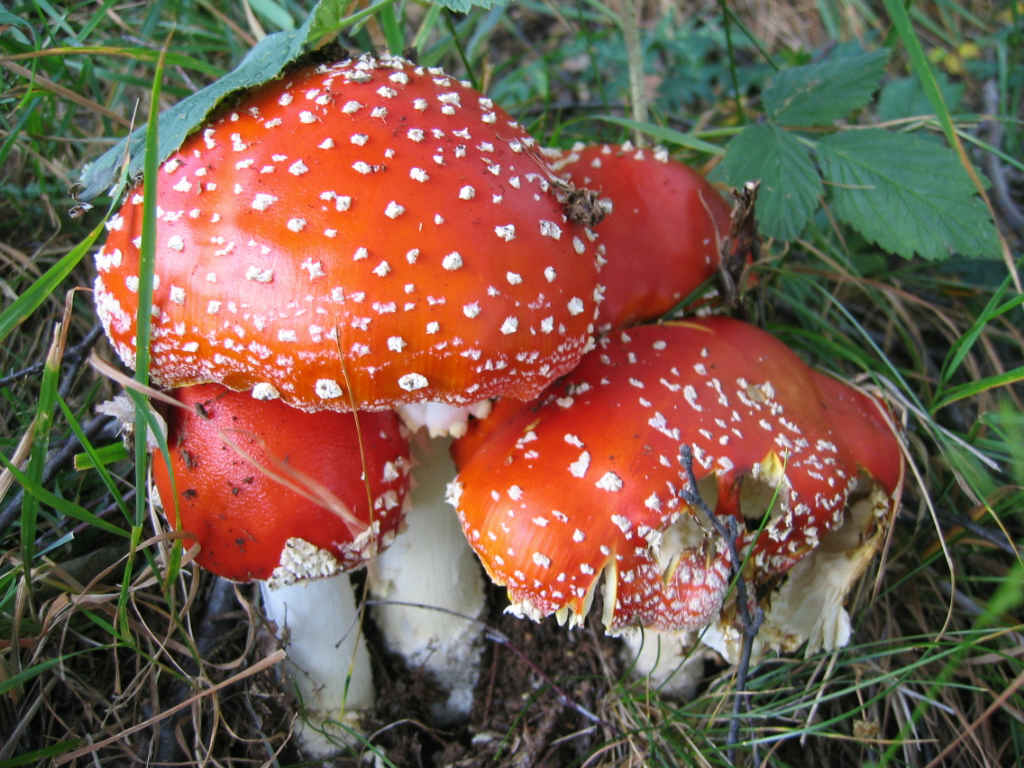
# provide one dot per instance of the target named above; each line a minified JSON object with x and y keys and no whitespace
{"x":587,"y":480}
{"x":294,"y":500}
{"x":254,"y":477}
{"x":663,"y":232}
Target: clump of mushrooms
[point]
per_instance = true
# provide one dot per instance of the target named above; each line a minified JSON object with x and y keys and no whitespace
{"x":586,"y":482}
{"x":268,"y":499}
{"x":366,"y":235}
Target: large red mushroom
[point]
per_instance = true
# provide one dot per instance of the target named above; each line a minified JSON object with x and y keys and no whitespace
{"x":357,"y":235}
{"x":587,"y":481}
{"x":266,"y":498}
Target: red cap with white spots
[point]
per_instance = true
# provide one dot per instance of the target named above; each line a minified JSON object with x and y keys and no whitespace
{"x":367,"y":232}
{"x":663,"y":232}
{"x":267,"y":497}
{"x":588,"y":478}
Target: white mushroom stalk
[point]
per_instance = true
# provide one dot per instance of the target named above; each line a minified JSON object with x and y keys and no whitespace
{"x":430,"y":587}
{"x":328,"y":664}
{"x":669,"y":661}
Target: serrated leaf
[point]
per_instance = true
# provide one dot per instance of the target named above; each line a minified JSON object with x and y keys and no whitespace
{"x":819,"y":94}
{"x":908,"y":194}
{"x":790,"y":185}
{"x":265,"y":61}
{"x":904,"y":97}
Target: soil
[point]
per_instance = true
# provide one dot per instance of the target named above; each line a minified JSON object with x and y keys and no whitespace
{"x":538,"y":702}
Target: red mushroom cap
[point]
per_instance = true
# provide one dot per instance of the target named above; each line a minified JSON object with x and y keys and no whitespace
{"x":369,"y":232}
{"x":226,"y":449}
{"x":588,"y":477}
{"x":663,"y":234}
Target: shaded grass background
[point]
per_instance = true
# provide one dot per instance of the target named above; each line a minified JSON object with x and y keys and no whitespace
{"x":100,"y":630}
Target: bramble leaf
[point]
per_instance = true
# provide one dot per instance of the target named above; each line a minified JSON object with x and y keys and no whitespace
{"x":820,"y":93}
{"x":790,"y":185}
{"x":904,"y":97}
{"x":906,"y":193}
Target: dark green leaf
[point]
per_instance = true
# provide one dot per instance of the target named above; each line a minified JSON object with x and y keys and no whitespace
{"x":904,"y":97}
{"x":818,"y":94}
{"x":273,"y":13}
{"x":790,"y":185}
{"x":906,"y":193}
{"x":264,"y":62}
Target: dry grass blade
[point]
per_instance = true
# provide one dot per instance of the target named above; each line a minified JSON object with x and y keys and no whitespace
{"x":269,"y":661}
{"x":63,"y":92}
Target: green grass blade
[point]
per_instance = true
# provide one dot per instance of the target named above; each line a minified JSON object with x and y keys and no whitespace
{"x":16,"y":681}
{"x":963,"y":345}
{"x":976,"y":387}
{"x":40,"y":756}
{"x":96,"y":461}
{"x":430,"y":20}
{"x":920,"y":65}
{"x":147,"y":263}
{"x":125,"y":51}
{"x":63,"y":506}
{"x":392,"y":29}
{"x":42,"y":425}
{"x":666,"y":135}
{"x":102,"y":456}
{"x":45,"y":286}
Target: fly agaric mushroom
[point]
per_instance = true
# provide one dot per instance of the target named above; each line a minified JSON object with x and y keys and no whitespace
{"x":369,"y":234}
{"x":587,"y":480}
{"x":663,"y":232}
{"x":357,"y":235}
{"x":268,"y":498}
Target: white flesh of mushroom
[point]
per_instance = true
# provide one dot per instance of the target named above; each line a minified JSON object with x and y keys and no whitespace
{"x":441,"y":419}
{"x":808,"y":606}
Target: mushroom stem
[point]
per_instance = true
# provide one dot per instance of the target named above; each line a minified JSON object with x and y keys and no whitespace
{"x":430,"y":586}
{"x":670,"y":661}
{"x":328,"y":664}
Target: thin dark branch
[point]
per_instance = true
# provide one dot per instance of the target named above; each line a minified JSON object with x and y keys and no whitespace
{"x":73,"y":357}
{"x":750,"y":618}
{"x":994,"y":166}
